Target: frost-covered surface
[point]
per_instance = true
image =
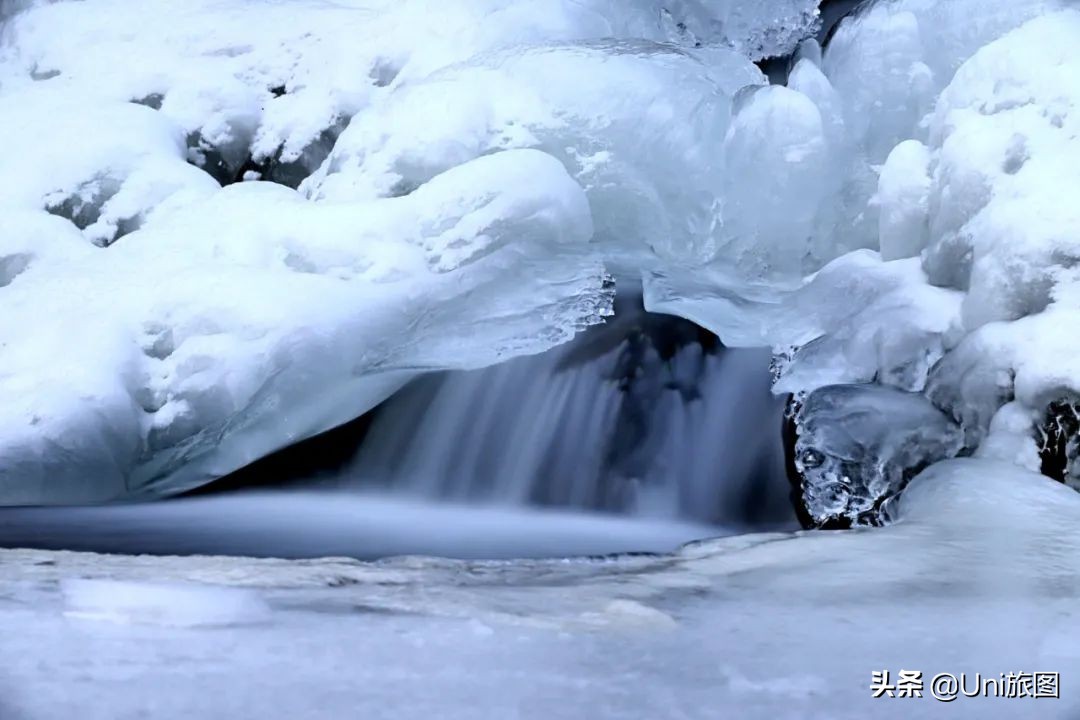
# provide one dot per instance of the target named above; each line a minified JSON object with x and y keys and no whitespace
{"x":981,"y":574}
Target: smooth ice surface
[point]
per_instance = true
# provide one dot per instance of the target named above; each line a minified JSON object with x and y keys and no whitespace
{"x":981,"y":574}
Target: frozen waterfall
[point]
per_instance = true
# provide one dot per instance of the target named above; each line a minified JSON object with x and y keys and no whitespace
{"x":463,"y":180}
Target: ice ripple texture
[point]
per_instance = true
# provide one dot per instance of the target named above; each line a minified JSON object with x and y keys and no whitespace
{"x":468,"y":173}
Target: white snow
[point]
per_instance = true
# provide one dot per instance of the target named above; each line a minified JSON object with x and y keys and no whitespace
{"x":981,"y":574}
{"x":213,"y":334}
{"x":949,"y":129}
{"x":1004,"y":142}
{"x":469,"y":171}
{"x":211,"y":326}
{"x":183,"y":605}
{"x":640,"y":127}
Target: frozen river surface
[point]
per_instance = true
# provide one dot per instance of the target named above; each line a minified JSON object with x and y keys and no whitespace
{"x":982,"y":574}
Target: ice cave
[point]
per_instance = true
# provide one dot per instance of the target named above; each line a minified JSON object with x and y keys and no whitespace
{"x":539,"y":359}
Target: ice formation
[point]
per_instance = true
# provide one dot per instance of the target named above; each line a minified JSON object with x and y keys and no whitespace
{"x":208,"y":337}
{"x":952,"y":140}
{"x":213,"y":326}
{"x":857,"y":446}
{"x":982,"y":571}
{"x":449,"y":184}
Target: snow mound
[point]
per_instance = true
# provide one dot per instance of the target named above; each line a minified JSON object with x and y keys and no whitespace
{"x":650,"y":185}
{"x":279,"y":80}
{"x":467,"y":152}
{"x":975,"y":493}
{"x":1004,"y":137}
{"x":106,"y":186}
{"x":226,"y":328}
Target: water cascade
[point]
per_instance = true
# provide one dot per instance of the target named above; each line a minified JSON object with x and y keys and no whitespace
{"x":648,"y":416}
{"x":639,"y":435}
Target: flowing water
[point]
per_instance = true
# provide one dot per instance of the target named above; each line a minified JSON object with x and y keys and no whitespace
{"x":645,"y":426}
{"x":638,"y":436}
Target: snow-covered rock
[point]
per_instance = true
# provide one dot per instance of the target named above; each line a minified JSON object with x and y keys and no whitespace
{"x":226,"y":328}
{"x":467,"y":172}
{"x":158,"y":331}
{"x":950,"y":134}
{"x":270,"y":78}
{"x":103,"y":166}
{"x":639,"y":124}
{"x":1005,"y":138}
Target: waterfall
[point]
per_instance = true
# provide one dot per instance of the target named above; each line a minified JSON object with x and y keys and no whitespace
{"x":647,"y":420}
{"x":648,"y":416}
